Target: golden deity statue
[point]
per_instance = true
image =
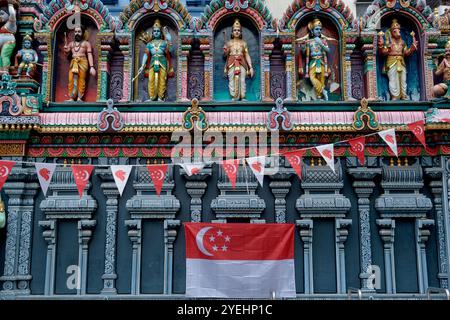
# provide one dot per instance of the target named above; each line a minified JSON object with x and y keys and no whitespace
{"x":238,"y":63}
{"x":395,"y":48}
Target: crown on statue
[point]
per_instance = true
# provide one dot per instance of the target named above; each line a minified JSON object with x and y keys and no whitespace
{"x":316,"y":22}
{"x":395,"y":25}
{"x":237,"y":24}
{"x":27,"y":37}
{"x":157,"y":24}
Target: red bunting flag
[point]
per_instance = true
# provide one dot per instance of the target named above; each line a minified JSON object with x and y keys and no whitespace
{"x":357,"y":145}
{"x":327,"y":152}
{"x":192,"y":168}
{"x":45,"y":173}
{"x":231,"y":168}
{"x":295,"y":160}
{"x":81,"y":173}
{"x":157,"y":174}
{"x":5,"y":170}
{"x":418,"y":128}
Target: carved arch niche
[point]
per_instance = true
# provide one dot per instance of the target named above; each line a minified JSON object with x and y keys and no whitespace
{"x":339,"y":26}
{"x":413,"y":15}
{"x":137,"y":19}
{"x":216,"y":24}
{"x":51,"y":28}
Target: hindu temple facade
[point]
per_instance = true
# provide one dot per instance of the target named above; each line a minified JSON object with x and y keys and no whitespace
{"x":83,"y":86}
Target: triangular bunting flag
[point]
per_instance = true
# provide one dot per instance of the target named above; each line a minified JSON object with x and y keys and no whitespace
{"x":327,"y":152}
{"x":418,"y":128}
{"x":45,"y":173}
{"x":357,"y":145}
{"x":81,"y":173}
{"x":5,"y":170}
{"x":295,"y":159}
{"x":231,"y":168}
{"x":158,"y":174}
{"x":121,"y":173}
{"x":192,"y":168}
{"x":389,"y":137}
{"x":257,"y":165}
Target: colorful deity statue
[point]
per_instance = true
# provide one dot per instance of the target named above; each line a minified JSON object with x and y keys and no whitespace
{"x":394,"y":47}
{"x":82,"y":61}
{"x":238,"y":63}
{"x":314,"y":47}
{"x":27,"y":56}
{"x":443,"y":70}
{"x":7,"y":38}
{"x":157,"y":61}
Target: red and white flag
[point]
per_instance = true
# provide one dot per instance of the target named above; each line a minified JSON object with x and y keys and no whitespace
{"x":81,"y":173}
{"x":418,"y":128}
{"x":121,"y":173}
{"x":357,"y":145}
{"x":45,"y":173}
{"x":327,"y":152}
{"x":239,"y":260}
{"x":231,"y":168}
{"x":295,"y":159}
{"x":389,"y":137}
{"x":5,"y":170}
{"x":158,"y":174}
{"x":257,"y":165}
{"x":192,"y":168}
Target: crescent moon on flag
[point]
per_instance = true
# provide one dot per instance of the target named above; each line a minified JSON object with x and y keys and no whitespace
{"x":297,"y":159}
{"x":160,"y":174}
{"x":232,"y":168}
{"x":199,"y":240}
{"x":4,"y":171}
{"x":359,"y":146}
{"x":85,"y":175}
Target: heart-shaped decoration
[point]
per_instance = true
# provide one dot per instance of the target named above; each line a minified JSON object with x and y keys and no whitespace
{"x":327,"y":154}
{"x":120,"y":174}
{"x":44,"y":173}
{"x":257,"y":166}
{"x":389,"y":138}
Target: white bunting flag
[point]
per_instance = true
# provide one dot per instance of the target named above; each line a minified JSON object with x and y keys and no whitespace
{"x":327,"y":152}
{"x":121,"y":174}
{"x":192,"y":168}
{"x":45,"y":172}
{"x":257,"y":165}
{"x":389,"y":137}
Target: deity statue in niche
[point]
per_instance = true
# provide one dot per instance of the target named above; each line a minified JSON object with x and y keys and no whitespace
{"x":27,"y":56}
{"x":392,"y":45}
{"x":443,"y":70}
{"x":7,"y":40}
{"x":315,"y":49}
{"x":82,"y":60}
{"x":238,"y":63}
{"x":157,"y":61}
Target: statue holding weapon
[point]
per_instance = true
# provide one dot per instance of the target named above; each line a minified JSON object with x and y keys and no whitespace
{"x":157,"y":61}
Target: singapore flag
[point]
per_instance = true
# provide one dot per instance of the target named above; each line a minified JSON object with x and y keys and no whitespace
{"x":239,"y":260}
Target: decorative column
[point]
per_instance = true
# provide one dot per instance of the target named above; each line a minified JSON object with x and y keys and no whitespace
{"x":437,"y":185}
{"x":47,"y":56}
{"x":124,"y":39}
{"x":370,"y":70}
{"x":422,"y":235}
{"x":280,"y":186}
{"x":21,"y":189}
{"x":291,"y":77}
{"x":341,"y":226}
{"x":364,"y":186}
{"x":306,"y":234}
{"x":110,"y":191}
{"x":170,"y":234}
{"x":182,"y":93}
{"x":205,"y":47}
{"x":135,"y":234}
{"x":349,"y":47}
{"x":430,"y":42}
{"x":387,"y":232}
{"x":265,"y":69}
{"x":196,"y":187}
{"x":104,"y":65}
{"x":49,"y":235}
{"x":84,"y":236}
